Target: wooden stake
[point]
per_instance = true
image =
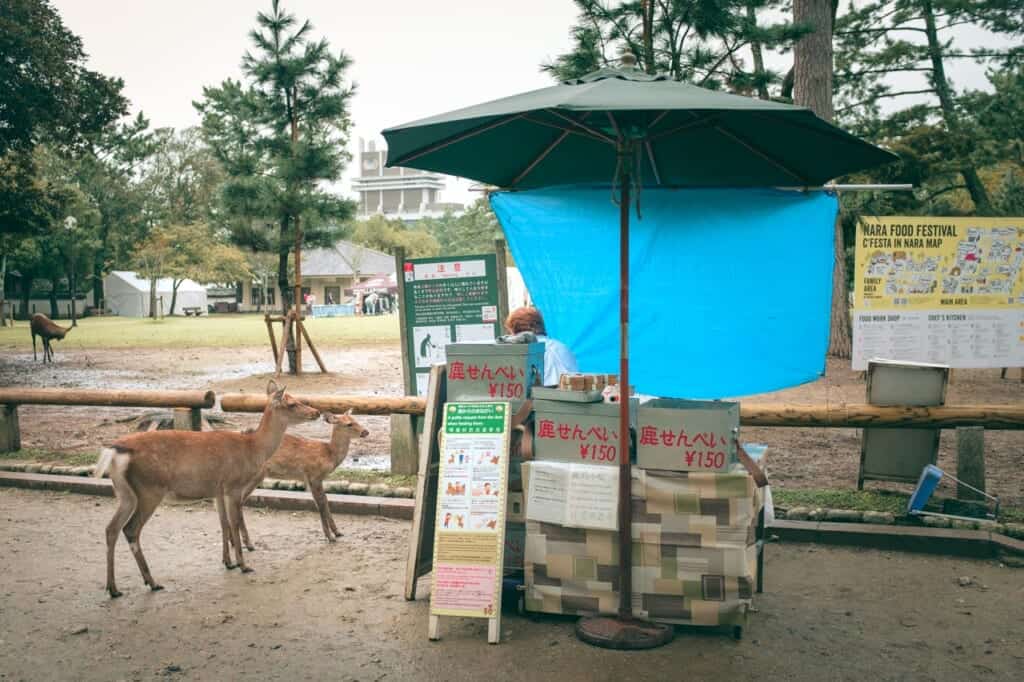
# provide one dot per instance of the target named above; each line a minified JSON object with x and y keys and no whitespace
{"x":270,"y":333}
{"x":312,"y":348}
{"x":284,"y":339}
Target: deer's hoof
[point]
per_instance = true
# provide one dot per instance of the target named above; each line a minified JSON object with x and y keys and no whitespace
{"x":250,"y":548}
{"x":228,"y":565}
{"x":246,"y":569}
{"x":156,"y":588}
{"x":114,"y":593}
{"x":330,"y":538}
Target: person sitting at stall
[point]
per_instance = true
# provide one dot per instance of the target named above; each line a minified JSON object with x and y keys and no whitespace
{"x":558,"y":359}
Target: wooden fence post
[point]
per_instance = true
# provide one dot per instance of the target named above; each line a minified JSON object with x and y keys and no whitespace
{"x":404,"y":450}
{"x":970,"y":461}
{"x":188,"y":419}
{"x":10,"y":434}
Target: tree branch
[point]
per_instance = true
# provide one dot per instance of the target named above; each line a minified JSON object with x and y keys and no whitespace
{"x":887,"y":95}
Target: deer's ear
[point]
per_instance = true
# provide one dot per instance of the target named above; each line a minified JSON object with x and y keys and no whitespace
{"x":271,"y":387}
{"x":348,"y":412}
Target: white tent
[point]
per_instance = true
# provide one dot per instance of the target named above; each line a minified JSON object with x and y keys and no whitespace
{"x":127,"y":294}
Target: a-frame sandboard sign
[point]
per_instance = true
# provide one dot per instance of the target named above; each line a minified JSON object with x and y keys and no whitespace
{"x":469,"y":522}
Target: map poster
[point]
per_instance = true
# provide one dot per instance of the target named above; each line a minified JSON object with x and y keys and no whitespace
{"x":940,"y":290}
{"x":447,"y":300}
{"x":469,"y":539}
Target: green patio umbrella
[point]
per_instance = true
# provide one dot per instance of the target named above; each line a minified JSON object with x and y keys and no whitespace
{"x":630,"y":129}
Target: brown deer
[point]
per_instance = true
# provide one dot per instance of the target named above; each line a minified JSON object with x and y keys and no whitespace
{"x":311,"y":461}
{"x":144,"y":467}
{"x":44,"y":328}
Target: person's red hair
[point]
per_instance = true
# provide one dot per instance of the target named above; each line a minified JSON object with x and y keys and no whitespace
{"x":525,"y":319}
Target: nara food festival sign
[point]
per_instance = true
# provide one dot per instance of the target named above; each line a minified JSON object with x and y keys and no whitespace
{"x":942,"y":290}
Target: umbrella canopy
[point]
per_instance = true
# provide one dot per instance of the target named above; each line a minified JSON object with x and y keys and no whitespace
{"x":682,"y":135}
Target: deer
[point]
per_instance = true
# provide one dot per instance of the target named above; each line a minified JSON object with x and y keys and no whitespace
{"x":311,"y":461}
{"x":44,"y":328}
{"x":144,"y":467}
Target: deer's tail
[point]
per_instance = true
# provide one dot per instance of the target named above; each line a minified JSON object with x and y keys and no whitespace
{"x":104,"y":461}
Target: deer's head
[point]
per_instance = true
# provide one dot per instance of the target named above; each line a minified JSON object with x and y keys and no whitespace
{"x":347,"y":424}
{"x":291,"y":409}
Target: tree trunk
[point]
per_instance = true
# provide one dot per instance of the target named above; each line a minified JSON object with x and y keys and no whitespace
{"x":812,"y":88}
{"x":755,"y":49}
{"x":175,"y":283}
{"x":976,"y":188}
{"x":26,"y":293}
{"x":3,"y":290}
{"x":648,"y":37}
{"x":282,"y":279}
{"x":152,"y":297}
{"x":812,"y":57}
{"x":97,"y":282}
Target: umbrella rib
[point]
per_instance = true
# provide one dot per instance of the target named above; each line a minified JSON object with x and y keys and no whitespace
{"x":778,"y":164}
{"x":571,"y":131}
{"x":656,"y":121}
{"x":654,"y":163}
{"x":615,"y":126}
{"x":685,"y":126}
{"x":541,"y":157}
{"x":592,"y":131}
{"x":456,"y":139}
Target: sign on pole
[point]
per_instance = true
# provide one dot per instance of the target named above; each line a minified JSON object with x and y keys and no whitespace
{"x":469,"y":539}
{"x":446,"y":300}
{"x":939,"y":290}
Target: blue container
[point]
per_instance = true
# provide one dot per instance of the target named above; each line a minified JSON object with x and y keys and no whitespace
{"x":926,"y":485}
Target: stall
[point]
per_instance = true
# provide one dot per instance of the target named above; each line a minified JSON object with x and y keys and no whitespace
{"x":629,"y":135}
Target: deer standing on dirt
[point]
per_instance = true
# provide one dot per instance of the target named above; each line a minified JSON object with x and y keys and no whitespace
{"x":311,"y":461}
{"x":44,"y":328}
{"x":144,"y":467}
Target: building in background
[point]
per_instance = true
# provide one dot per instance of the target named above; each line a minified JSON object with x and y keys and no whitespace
{"x":403,"y":193}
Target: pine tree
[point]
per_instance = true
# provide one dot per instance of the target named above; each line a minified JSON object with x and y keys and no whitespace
{"x":880,"y":44}
{"x":282,"y":136}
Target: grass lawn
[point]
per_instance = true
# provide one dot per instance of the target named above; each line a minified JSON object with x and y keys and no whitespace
{"x":208,"y":331}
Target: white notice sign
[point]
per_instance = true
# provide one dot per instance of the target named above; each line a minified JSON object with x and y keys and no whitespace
{"x":573,"y":495}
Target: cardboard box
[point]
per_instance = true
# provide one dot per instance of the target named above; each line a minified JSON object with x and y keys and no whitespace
{"x":687,"y":435}
{"x":480,"y":372}
{"x":572,"y":431}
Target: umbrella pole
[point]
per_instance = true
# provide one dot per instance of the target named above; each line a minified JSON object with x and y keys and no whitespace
{"x":624,"y":631}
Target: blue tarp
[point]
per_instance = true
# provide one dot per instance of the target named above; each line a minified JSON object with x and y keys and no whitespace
{"x":730,"y":289}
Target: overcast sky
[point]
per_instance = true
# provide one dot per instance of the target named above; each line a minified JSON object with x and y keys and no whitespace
{"x":412,"y":58}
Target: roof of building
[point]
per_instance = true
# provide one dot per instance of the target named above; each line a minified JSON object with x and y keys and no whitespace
{"x":162,"y":284}
{"x":345,"y":259}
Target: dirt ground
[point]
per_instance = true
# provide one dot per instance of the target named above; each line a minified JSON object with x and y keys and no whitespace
{"x":317,"y":611}
{"x":799,"y":458}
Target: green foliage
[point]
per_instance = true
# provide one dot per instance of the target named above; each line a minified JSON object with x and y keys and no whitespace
{"x":48,"y":94}
{"x":698,"y":41}
{"x":382,"y":234}
{"x":470,"y":233}
{"x":892,"y":50}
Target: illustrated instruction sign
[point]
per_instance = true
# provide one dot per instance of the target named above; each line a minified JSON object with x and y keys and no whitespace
{"x":447,"y":300}
{"x":469,"y":540}
{"x":939,"y":290}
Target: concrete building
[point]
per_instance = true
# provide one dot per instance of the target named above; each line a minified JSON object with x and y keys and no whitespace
{"x":404,"y":193}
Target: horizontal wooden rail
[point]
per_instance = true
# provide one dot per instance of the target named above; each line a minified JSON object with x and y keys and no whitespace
{"x":106,"y":398}
{"x":853,"y":415}
{"x":251,"y":402}
{"x":859,"y":415}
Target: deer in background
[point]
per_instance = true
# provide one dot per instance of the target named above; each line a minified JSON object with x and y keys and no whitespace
{"x":311,"y":461}
{"x":144,"y":467}
{"x":44,"y":328}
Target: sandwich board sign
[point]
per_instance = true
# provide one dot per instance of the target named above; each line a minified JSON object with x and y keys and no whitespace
{"x":469,"y":535}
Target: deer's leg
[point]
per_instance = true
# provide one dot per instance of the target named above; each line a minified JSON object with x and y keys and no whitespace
{"x":34,"y":356}
{"x":243,"y":531}
{"x":225,"y":530}
{"x":234,"y":510}
{"x":127,"y":502}
{"x":148,"y":502}
{"x":320,"y":500}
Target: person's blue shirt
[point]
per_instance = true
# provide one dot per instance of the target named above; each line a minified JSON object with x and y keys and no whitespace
{"x":558,"y":360}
